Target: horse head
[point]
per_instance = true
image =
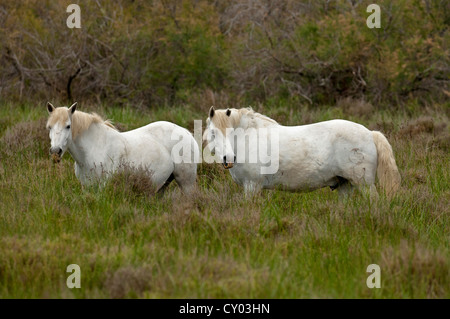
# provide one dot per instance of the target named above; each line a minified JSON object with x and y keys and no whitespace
{"x":217,"y":136}
{"x":59,"y":125}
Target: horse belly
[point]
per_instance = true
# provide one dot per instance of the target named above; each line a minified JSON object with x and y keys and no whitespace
{"x":298,"y":179}
{"x":143,"y":152}
{"x":303,"y":164}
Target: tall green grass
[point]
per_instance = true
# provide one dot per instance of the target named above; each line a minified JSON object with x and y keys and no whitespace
{"x":218,"y":243}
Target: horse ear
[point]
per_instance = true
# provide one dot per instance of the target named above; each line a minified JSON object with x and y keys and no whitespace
{"x":211,"y":111}
{"x":50,"y":107}
{"x":73,"y":108}
{"x":228,"y":112}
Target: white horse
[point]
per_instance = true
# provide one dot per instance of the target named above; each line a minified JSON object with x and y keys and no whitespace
{"x":99,"y":149}
{"x":338,"y":154}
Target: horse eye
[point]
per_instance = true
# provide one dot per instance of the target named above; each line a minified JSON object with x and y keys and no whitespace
{"x":68,"y":127}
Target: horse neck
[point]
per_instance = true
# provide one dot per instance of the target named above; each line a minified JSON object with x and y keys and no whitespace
{"x":255,"y":120}
{"x":92,"y":138}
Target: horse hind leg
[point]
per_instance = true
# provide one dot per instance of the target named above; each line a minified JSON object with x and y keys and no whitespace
{"x":186,"y":177}
{"x":368,"y":191}
{"x":366,"y":184}
{"x":251,"y":189}
{"x":162,"y":189}
{"x":344,"y":188}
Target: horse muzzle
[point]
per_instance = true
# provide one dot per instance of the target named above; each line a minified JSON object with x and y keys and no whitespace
{"x":227,"y":165}
{"x":56,"y":154}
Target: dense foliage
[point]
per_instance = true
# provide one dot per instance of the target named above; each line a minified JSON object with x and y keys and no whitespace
{"x":169,"y":52}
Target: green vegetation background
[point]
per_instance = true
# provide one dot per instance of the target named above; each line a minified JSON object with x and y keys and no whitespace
{"x":171,"y":52}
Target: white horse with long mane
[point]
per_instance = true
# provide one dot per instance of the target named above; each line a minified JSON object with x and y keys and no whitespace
{"x":338,"y":154}
{"x":99,"y":149}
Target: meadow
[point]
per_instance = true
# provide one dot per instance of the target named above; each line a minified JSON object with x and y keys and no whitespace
{"x":216,"y":243}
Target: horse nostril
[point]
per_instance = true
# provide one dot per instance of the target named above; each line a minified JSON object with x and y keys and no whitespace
{"x":225,"y":159}
{"x":56,"y":150}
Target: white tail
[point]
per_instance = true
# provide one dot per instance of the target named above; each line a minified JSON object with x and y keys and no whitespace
{"x":387,"y":170}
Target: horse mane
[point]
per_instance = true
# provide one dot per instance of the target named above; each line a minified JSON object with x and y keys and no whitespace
{"x":221,"y":120}
{"x":81,"y":121}
{"x":253,"y":114}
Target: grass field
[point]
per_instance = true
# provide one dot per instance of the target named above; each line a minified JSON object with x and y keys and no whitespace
{"x":217,"y":243}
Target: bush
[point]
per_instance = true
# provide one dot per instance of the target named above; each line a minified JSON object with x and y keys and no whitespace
{"x":124,"y":51}
{"x":166,"y":52}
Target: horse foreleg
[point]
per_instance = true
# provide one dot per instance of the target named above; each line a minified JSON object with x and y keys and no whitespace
{"x":251,"y":189}
{"x":186,"y":177}
{"x":166,"y":184}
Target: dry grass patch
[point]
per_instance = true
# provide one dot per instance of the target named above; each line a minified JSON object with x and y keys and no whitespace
{"x":426,"y":270}
{"x":422,"y":125}
{"x":135,"y":182}
{"x":27,"y":139}
{"x":355,"y":107}
{"x":129,"y":282}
